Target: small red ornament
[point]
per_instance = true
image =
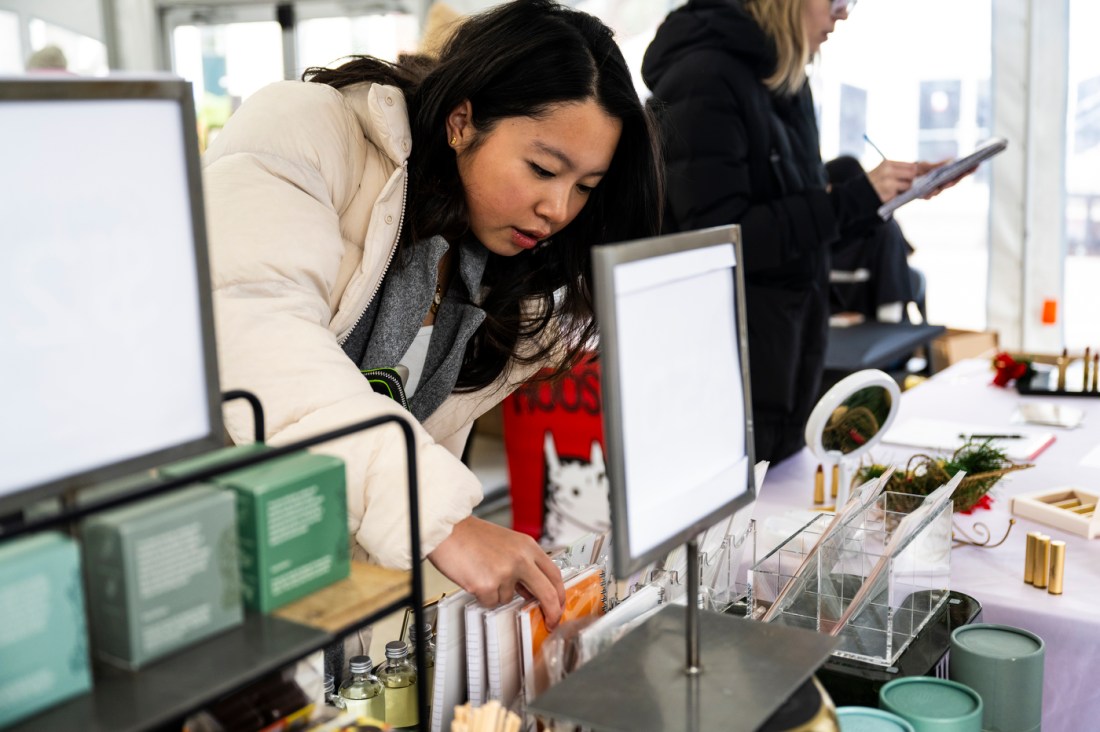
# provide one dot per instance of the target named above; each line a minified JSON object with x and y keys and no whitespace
{"x":984,"y":503}
{"x":1008,"y":369}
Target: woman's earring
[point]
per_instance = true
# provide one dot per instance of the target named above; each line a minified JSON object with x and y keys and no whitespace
{"x":454,"y":140}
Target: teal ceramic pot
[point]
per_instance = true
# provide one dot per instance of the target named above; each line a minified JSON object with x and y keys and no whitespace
{"x":933,"y":705}
{"x":1005,"y":666}
{"x":866,"y":719}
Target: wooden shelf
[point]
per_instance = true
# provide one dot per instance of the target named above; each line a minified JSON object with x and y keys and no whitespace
{"x":166,"y":691}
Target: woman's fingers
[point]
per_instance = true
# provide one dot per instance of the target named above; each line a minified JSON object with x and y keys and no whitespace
{"x":493,"y":563}
{"x":544,"y":590}
{"x":892,"y":177}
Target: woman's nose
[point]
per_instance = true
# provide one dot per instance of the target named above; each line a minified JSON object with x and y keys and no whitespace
{"x":554,"y":205}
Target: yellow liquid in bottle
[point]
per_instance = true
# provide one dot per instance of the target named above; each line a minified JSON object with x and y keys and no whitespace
{"x":401,"y":702}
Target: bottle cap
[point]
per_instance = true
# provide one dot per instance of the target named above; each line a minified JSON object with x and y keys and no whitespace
{"x":360,"y":664}
{"x":397,"y":649}
{"x":413,"y":634}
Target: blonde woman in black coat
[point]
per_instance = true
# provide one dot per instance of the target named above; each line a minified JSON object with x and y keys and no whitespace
{"x":729,"y":81}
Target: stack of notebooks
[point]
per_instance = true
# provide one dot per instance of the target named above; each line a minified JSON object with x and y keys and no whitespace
{"x":493,"y":654}
{"x":585,"y":597}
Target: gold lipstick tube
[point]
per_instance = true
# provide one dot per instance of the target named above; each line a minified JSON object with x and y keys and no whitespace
{"x":1057,"y":566}
{"x":1041,"y":574}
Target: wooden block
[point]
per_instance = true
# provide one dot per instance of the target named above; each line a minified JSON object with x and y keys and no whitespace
{"x":368,"y":589}
{"x":1068,"y":509}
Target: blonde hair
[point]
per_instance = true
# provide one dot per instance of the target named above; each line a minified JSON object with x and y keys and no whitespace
{"x":441,"y":23}
{"x":781,"y":21}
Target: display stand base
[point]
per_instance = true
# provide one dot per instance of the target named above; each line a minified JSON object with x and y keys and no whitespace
{"x":748,"y":669}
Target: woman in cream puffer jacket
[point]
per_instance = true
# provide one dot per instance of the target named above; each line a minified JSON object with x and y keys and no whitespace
{"x":308,"y":191}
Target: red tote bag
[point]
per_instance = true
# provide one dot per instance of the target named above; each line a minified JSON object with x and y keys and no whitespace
{"x":553,"y":437}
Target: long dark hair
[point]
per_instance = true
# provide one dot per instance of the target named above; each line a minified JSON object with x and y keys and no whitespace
{"x":519,"y":60}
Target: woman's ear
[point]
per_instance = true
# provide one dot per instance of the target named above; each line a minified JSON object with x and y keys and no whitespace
{"x":460,"y":127}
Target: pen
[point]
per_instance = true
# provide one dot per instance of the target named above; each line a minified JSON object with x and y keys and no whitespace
{"x":868,"y":141}
{"x":991,"y":437}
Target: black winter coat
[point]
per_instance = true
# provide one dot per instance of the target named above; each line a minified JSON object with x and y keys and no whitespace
{"x":738,"y":153}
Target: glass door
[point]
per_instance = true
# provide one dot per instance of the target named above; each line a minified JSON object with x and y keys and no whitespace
{"x":230,"y":51}
{"x":227,"y":53}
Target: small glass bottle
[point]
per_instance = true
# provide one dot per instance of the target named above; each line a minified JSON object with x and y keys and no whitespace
{"x":330,"y":697}
{"x":363,"y":694}
{"x":428,"y":643}
{"x":399,"y":678}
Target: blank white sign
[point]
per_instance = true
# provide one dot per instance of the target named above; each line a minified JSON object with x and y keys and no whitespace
{"x":99,"y":303}
{"x":682,"y":393}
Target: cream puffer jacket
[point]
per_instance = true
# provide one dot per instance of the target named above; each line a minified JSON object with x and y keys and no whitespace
{"x":305,"y":194}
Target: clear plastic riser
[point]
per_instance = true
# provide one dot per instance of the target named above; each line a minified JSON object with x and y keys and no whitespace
{"x":900,"y":599}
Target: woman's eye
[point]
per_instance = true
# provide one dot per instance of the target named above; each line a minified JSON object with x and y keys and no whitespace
{"x":585,"y":189}
{"x":541,"y":171}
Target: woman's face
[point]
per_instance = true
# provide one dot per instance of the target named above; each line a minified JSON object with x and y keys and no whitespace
{"x":528,"y":178}
{"x":819,"y":18}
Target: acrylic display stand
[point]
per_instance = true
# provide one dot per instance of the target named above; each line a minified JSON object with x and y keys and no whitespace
{"x":899,"y":601}
{"x":642,"y":682}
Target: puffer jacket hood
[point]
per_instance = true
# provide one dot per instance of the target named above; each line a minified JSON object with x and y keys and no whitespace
{"x":708,"y":24}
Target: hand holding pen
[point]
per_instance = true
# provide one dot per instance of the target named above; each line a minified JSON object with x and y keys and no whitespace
{"x":892,"y":177}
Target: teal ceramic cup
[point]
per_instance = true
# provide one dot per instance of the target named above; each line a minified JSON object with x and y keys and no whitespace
{"x":933,"y":705}
{"x":1005,"y":666}
{"x":866,"y":719}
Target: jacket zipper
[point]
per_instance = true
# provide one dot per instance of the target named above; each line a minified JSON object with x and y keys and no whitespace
{"x":393,"y":252}
{"x":777,"y":170}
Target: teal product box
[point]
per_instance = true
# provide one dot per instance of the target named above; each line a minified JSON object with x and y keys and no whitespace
{"x":43,"y":636}
{"x":293,"y":527}
{"x":162,"y":574}
{"x":212,"y":459}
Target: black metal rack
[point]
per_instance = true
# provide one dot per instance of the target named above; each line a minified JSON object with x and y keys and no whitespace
{"x":162,"y":695}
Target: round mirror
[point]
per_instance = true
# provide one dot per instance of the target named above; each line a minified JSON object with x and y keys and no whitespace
{"x":853,"y":415}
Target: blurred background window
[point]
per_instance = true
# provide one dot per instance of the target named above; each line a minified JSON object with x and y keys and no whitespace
{"x":919,"y":106}
{"x":227,"y":56}
{"x":84,"y":55}
{"x":1082,"y":263}
{"x":323,"y":41}
{"x":11,"y":48}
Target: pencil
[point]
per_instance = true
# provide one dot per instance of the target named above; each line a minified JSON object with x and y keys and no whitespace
{"x":873,"y":145}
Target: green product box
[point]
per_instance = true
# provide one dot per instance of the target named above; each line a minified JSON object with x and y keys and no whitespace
{"x":292,"y":516}
{"x":162,"y":574}
{"x":212,"y":459}
{"x":43,"y":637}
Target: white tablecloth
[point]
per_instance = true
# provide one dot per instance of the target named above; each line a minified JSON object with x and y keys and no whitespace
{"x":1068,"y":623}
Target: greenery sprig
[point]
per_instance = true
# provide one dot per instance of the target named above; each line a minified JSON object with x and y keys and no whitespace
{"x":984,"y":464}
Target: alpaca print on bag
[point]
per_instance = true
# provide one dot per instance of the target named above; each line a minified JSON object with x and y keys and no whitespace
{"x":576,"y":495}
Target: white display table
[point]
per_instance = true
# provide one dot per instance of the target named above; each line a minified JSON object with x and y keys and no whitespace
{"x":1068,"y":623}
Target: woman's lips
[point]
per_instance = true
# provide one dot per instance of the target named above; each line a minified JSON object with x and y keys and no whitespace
{"x":525,"y":239}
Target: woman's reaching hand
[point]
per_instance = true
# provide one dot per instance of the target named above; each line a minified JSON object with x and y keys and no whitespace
{"x":494,"y":564}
